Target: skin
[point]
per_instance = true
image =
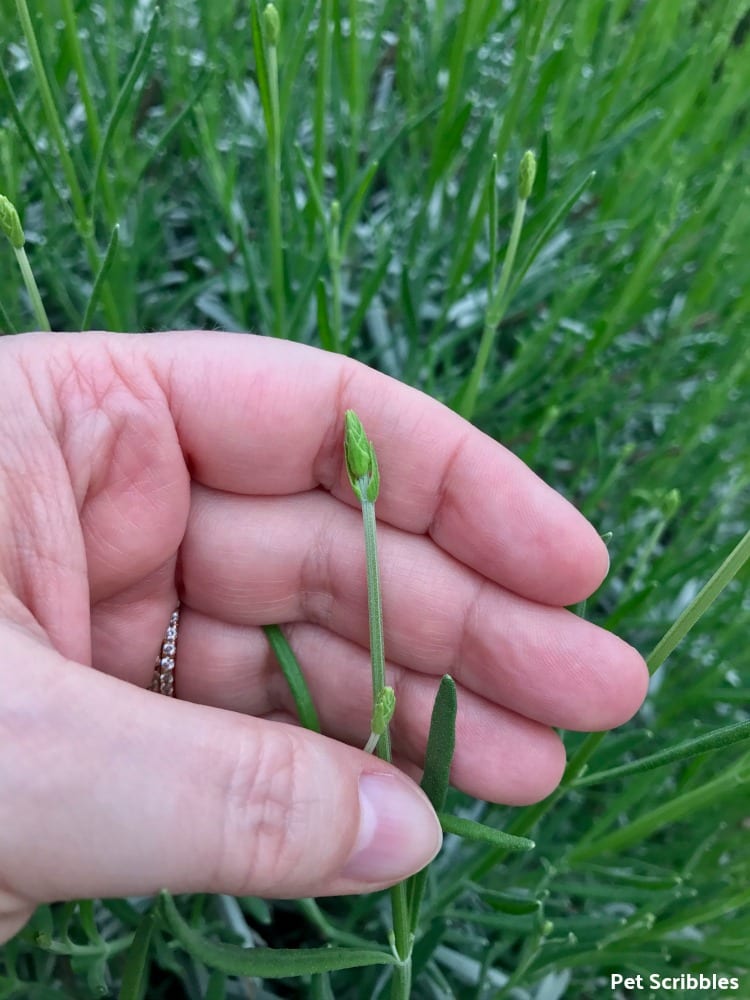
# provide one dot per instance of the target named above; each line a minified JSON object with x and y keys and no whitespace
{"x":139,"y":470}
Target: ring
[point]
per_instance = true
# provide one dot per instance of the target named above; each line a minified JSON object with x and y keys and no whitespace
{"x":163,"y":679}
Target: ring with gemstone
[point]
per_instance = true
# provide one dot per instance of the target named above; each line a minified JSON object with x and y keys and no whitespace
{"x":163,"y":679}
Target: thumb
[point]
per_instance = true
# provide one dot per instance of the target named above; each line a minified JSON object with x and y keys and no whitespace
{"x":117,"y":791}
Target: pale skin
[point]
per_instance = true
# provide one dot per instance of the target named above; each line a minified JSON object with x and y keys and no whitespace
{"x":139,"y":470}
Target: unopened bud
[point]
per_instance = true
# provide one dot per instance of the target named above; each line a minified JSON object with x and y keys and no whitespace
{"x":360,"y":459}
{"x":526,"y":175}
{"x":271,"y":24}
{"x":670,"y":504}
{"x":385,"y":706}
{"x":10,"y":223}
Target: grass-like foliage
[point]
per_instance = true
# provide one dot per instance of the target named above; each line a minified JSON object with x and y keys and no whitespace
{"x":346,"y":173}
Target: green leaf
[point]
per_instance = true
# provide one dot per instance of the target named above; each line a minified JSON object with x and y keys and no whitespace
{"x":294,"y":677}
{"x":355,"y":206}
{"x":722,"y":737}
{"x":101,"y":277}
{"x":492,"y":198}
{"x":121,"y":102}
{"x":504,"y":903}
{"x":441,"y":743}
{"x":216,"y":989}
{"x":136,"y":973}
{"x":88,"y":922}
{"x":701,"y":603}
{"x":550,"y":226}
{"x":269,"y":963}
{"x":261,"y":65}
{"x":470,"y":830}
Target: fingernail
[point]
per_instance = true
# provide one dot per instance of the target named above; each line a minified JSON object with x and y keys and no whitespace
{"x":399,"y":832}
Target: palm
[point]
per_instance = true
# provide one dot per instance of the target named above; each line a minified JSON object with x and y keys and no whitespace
{"x":212,"y":466}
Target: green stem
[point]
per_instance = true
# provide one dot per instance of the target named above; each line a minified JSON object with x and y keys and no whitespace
{"x":321,"y":90}
{"x":375,"y":612}
{"x":50,"y":110}
{"x":84,"y":223}
{"x":401,"y":983}
{"x":71,"y":30}
{"x":274,"y":194}
{"x":355,"y":87}
{"x":32,"y":288}
{"x":495,"y":312}
{"x":335,"y":259}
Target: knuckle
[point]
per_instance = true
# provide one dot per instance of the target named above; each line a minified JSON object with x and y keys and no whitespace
{"x":263,"y":825}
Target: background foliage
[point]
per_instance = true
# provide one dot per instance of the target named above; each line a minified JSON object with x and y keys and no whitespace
{"x":352,"y":213}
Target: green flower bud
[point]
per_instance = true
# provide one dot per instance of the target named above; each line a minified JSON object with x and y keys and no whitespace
{"x":671,"y":503}
{"x":526,"y":175}
{"x":10,"y":223}
{"x":271,"y":24}
{"x":385,"y":706}
{"x":335,"y":212}
{"x":373,"y":486}
{"x":356,"y":447}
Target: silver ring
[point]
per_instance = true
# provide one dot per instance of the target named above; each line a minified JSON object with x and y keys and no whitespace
{"x":163,"y":679}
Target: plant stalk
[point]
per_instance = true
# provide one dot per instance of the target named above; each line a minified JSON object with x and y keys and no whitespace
{"x":274,"y":193}
{"x":493,"y":317}
{"x":402,"y":939}
{"x":32,"y":288}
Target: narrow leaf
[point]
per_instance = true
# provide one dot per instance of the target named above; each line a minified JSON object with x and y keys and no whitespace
{"x":504,"y":903}
{"x":441,"y":743}
{"x":470,"y":830}
{"x":137,"y":962}
{"x":492,"y":197}
{"x":701,"y":603}
{"x":20,"y":122}
{"x":354,"y":207}
{"x":549,"y":227}
{"x":261,"y":65}
{"x":88,"y":922}
{"x":294,"y":677}
{"x":121,"y":102}
{"x":101,"y":277}
{"x":317,"y":197}
{"x":722,"y":737}
{"x":269,"y":963}
{"x":324,"y":324}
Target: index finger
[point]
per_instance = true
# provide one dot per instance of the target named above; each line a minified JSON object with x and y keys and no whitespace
{"x":265,"y":417}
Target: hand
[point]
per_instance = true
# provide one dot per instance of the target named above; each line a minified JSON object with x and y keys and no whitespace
{"x":137,"y":470}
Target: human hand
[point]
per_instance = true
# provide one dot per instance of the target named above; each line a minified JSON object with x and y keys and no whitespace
{"x":206,"y":467}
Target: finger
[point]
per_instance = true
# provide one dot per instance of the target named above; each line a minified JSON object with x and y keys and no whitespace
{"x":256,"y":560}
{"x":500,"y":756}
{"x":139,"y":792}
{"x":258,"y":416}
